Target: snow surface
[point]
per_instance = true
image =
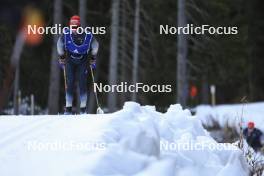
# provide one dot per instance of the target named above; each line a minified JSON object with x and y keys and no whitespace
{"x":230,"y":115}
{"x":127,"y":142}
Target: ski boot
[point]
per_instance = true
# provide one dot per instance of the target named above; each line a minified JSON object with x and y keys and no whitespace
{"x":83,"y":111}
{"x":68,"y":111}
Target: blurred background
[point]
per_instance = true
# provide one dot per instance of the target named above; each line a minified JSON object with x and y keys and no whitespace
{"x":202,"y":69}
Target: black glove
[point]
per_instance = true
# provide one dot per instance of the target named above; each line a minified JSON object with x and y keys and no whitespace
{"x":62,"y":60}
{"x":93,"y":62}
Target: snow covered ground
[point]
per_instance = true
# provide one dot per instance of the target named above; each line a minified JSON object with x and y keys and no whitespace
{"x":136,"y":140}
{"x":230,"y":115}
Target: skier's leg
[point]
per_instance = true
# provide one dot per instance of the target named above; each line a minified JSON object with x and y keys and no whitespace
{"x":70,"y":67}
{"x":83,"y":86}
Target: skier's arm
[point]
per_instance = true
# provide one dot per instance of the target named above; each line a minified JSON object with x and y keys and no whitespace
{"x":94,"y":51}
{"x":60,"y":50}
{"x":60,"y":46}
{"x":94,"y":48}
{"x":262,"y":139}
{"x":245,"y":133}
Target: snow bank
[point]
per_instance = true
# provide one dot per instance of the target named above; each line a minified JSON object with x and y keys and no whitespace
{"x":230,"y":115}
{"x":136,"y":140}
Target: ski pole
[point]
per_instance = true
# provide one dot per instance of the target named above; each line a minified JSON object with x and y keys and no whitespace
{"x":64,"y":75}
{"x":99,"y":109}
{"x":95,"y":93}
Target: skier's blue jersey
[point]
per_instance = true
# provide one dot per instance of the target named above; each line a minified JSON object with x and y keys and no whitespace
{"x":77,"y":51}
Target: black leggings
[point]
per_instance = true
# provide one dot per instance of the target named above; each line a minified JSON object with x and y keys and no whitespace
{"x":76,"y":71}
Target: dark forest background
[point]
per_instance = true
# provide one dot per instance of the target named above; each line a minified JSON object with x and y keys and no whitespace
{"x":233,"y":63}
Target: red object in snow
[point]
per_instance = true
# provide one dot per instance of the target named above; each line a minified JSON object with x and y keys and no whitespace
{"x":193,"y":91}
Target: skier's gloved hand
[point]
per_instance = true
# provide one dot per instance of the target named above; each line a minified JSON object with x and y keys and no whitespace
{"x":62,"y":60}
{"x":93,"y":66}
{"x":93,"y":63}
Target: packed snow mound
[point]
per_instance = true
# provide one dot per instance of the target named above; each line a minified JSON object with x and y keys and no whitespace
{"x":230,"y":115}
{"x":136,"y":140}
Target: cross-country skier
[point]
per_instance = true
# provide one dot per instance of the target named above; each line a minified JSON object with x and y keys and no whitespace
{"x":73,"y":49}
{"x":253,"y":136}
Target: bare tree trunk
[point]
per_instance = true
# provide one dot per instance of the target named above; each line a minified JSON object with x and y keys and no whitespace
{"x":113,"y":53}
{"x":17,"y":54}
{"x":182,"y":87}
{"x":205,"y":90}
{"x":12,"y":70}
{"x":16,"y":89}
{"x":82,"y":11}
{"x":123,"y":65}
{"x":54,"y":85}
{"x":136,"y":47}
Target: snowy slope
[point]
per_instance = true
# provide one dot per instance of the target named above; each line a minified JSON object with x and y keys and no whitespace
{"x":230,"y":114}
{"x":134,"y":141}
